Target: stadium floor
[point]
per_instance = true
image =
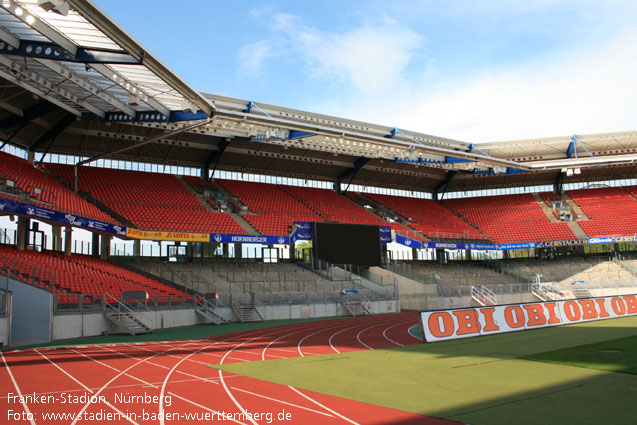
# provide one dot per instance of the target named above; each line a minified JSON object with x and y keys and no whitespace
{"x":170,"y":381}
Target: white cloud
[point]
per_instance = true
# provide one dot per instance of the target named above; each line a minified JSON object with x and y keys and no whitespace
{"x":369,"y":57}
{"x":383,"y":74}
{"x":252,"y":57}
{"x":571,"y":92}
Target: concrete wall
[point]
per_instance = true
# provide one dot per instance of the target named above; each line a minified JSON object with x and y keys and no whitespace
{"x":412,"y":295}
{"x":67,"y":326}
{"x":32,"y":310}
{"x":302,"y":311}
{"x":467,"y":301}
{"x":5,"y":331}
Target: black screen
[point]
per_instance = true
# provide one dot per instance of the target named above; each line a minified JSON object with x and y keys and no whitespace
{"x":356,"y":244}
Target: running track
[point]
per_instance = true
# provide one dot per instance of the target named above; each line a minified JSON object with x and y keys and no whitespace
{"x":176,"y":371}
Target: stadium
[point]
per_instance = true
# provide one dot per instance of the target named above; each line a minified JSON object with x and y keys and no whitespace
{"x":174,"y":256}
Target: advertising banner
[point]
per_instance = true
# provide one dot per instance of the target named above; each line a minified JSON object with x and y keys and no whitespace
{"x":46,"y":214}
{"x":385,"y":234}
{"x":411,"y":243}
{"x":469,"y":322}
{"x":153,"y":235}
{"x":221,"y":238}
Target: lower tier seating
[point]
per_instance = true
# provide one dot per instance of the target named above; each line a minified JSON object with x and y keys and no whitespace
{"x":75,"y":275}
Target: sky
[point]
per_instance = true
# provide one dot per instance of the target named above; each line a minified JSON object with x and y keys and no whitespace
{"x":481,"y":71}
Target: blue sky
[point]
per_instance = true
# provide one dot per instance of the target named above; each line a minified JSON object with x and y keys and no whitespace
{"x":475,"y":71}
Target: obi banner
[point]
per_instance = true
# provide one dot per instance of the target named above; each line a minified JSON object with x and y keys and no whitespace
{"x":469,"y":322}
{"x":152,"y":235}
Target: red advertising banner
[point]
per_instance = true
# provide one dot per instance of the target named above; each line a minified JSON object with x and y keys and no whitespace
{"x":469,"y":322}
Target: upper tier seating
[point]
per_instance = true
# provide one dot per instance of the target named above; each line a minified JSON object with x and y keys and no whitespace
{"x":151,"y":201}
{"x":80,"y":274}
{"x":428,"y":217}
{"x":510,"y":218}
{"x":46,"y":191}
{"x":274,"y":208}
{"x":333,"y":207}
{"x":199,"y":184}
{"x":612,"y":211}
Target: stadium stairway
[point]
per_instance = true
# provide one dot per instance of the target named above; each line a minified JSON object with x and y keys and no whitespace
{"x":574,"y":207}
{"x":244,"y":224}
{"x":547,"y":210}
{"x":120,"y":218}
{"x":473,"y":226}
{"x":209,"y":311}
{"x":127,"y":322}
{"x":577,"y":230}
{"x":199,"y":196}
{"x":234,"y":200}
{"x":247,"y":313}
{"x":400,"y":224}
{"x":303,"y":201}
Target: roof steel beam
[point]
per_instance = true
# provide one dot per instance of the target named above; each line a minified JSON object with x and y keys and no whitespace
{"x":49,"y":85}
{"x":145,"y":142}
{"x":131,"y":87}
{"x":400,"y":143}
{"x":21,"y":83}
{"x":65,"y":72}
{"x":59,"y":39}
{"x":33,"y":49}
{"x":97,"y":18}
{"x":28,"y":115}
{"x":50,"y":135}
{"x":43,"y":28}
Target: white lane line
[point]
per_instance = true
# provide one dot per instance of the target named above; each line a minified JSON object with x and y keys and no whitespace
{"x":358,"y":337}
{"x":204,"y":407}
{"x":76,"y":390}
{"x":352,"y":327}
{"x":112,"y":380}
{"x":212,"y":354}
{"x":391,"y":340}
{"x":65,"y":372}
{"x":166,"y":367}
{"x":153,"y":351}
{"x":323,"y":406}
{"x":156,"y":386}
{"x":223,"y":382}
{"x":17,"y":388}
{"x":298,"y":347}
{"x":282,"y":402}
{"x":278,"y":339}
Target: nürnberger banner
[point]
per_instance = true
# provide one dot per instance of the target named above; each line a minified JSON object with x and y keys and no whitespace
{"x":469,"y":322}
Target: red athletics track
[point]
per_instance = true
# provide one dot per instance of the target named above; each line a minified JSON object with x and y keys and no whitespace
{"x":175,"y":374}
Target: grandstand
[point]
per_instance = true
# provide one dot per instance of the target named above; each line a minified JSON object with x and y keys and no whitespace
{"x":132,"y":154}
{"x":510,"y":218}
{"x":150,"y":201}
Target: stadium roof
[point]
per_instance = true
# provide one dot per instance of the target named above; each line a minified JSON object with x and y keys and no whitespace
{"x":74,"y":82}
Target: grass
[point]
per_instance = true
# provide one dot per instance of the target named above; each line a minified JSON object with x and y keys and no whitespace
{"x":484,"y":381}
{"x":618,"y":355}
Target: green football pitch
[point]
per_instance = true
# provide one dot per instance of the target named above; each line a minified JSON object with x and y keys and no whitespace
{"x":576,"y":374}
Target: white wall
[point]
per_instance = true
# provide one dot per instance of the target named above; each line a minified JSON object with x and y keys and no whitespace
{"x":5,"y":330}
{"x":66,"y":326}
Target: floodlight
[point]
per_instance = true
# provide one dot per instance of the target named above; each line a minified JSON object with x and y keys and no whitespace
{"x":61,"y":7}
{"x":133,"y":100}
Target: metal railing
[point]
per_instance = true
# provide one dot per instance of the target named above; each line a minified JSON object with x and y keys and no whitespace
{"x":25,"y":271}
{"x":483,"y":295}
